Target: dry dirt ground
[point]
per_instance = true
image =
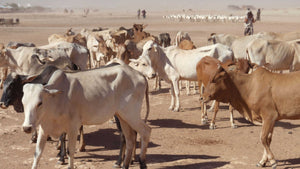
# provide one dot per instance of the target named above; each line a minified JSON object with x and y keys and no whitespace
{"x":178,"y":140}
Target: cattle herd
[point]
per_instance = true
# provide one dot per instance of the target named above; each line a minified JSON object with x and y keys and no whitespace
{"x":95,"y":75}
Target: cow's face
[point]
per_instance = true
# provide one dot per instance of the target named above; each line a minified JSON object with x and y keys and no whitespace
{"x":217,"y":86}
{"x":35,"y":101}
{"x":12,"y":92}
{"x":144,"y":66}
{"x":150,"y":50}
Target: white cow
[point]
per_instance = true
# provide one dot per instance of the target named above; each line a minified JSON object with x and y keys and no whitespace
{"x":70,"y":100}
{"x":174,"y":64}
{"x":31,"y":60}
{"x":274,"y":54}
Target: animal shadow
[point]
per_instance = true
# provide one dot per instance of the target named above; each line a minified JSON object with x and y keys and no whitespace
{"x":171,"y":123}
{"x":206,"y":165}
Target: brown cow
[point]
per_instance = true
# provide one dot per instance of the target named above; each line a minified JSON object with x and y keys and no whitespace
{"x":206,"y":68}
{"x":261,"y":96}
{"x":186,"y":45}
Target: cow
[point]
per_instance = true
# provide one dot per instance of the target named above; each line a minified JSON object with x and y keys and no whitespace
{"x":274,"y":54}
{"x":225,"y":39}
{"x":139,"y":33}
{"x":180,"y":36}
{"x":84,"y":103}
{"x":11,"y":45}
{"x":174,"y":64}
{"x":239,"y":44}
{"x":78,"y":39}
{"x":100,"y":51}
{"x":31,"y":60}
{"x":15,"y":45}
{"x":164,"y":39}
{"x":206,"y":68}
{"x":259,"y":97}
{"x":12,"y":95}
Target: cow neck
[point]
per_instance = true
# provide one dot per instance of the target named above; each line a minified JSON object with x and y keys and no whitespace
{"x":238,"y":83}
{"x":159,"y":60}
{"x":12,"y":62}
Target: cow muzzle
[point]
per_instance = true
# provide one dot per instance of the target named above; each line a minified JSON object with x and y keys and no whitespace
{"x":153,"y":75}
{"x":205,"y":99}
{"x":27,"y":129}
{"x":3,"y":105}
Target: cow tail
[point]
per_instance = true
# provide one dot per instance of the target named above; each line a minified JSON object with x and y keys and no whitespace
{"x":147,"y":101}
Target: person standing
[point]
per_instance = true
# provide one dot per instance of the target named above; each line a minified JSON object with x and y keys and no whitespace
{"x":144,"y":13}
{"x":258,"y":15}
{"x":139,"y":13}
{"x":249,"y":20}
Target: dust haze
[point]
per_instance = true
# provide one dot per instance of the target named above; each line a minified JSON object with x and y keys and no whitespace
{"x":155,"y":5}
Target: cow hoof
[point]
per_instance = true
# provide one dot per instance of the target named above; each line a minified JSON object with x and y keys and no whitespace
{"x":274,"y":165}
{"x":203,"y":121}
{"x":61,"y":162}
{"x":171,"y":108}
{"x":260,"y":165}
{"x":234,"y":126}
{"x":82,"y":149}
{"x":212,"y":127}
{"x":176,"y":110}
{"x":117,"y":165}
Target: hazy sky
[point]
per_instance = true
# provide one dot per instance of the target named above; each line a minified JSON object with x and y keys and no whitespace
{"x":128,"y":5}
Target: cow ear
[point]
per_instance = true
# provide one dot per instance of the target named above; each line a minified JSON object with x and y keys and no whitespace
{"x":26,"y":79}
{"x":220,"y":69}
{"x":155,"y":47}
{"x":51,"y":92}
{"x":134,"y":61}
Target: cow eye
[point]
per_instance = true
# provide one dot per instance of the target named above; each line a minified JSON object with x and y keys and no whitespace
{"x":39,"y":104}
{"x":149,"y":49}
{"x":144,"y":64}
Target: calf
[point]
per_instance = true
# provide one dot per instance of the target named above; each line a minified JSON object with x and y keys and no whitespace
{"x":206,"y":68}
{"x":262,"y":96}
{"x":92,"y":97}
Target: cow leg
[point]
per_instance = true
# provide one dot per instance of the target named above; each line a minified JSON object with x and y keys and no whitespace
{"x":122,"y":144}
{"x":41,"y":142}
{"x":176,"y":94}
{"x":233,"y":125}
{"x":172,"y":98}
{"x":187,"y":86}
{"x":156,"y":82}
{"x":266,"y":138}
{"x":194,"y":84}
{"x":34,"y":136}
{"x":130,"y":138}
{"x":212,"y":123}
{"x":81,"y":140}
{"x":62,"y":152}
{"x":203,"y":106}
{"x":212,"y":106}
{"x":3,"y":76}
{"x":144,"y":131}
{"x":92,"y":59}
{"x":72,"y":135}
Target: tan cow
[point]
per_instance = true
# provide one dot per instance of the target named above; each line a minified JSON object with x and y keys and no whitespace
{"x":262,"y":96}
{"x":206,"y":69}
{"x":92,"y":97}
{"x":30,"y":60}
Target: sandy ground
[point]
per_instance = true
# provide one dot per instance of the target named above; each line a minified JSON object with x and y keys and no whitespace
{"x":178,"y":140}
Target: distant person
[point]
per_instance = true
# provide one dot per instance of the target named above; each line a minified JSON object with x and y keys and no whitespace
{"x":258,"y":15}
{"x":249,"y":20}
{"x":139,"y":13}
{"x":144,"y":13}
